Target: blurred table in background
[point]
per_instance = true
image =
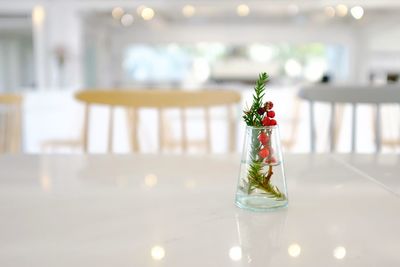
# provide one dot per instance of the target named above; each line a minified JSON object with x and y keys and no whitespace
{"x":56,"y":115}
{"x":178,"y":211}
{"x":52,"y":115}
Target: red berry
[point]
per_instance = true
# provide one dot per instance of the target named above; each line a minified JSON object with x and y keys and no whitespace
{"x":264,"y":138}
{"x":261,"y":111}
{"x":272,"y":122}
{"x":268,"y":105}
{"x":266,"y":121}
{"x":271,"y":113}
{"x":263,"y":153}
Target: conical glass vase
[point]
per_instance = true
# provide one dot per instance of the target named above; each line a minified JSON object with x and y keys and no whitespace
{"x":262,"y":184}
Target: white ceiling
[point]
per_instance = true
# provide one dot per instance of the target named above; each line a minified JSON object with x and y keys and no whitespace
{"x":261,"y":5}
{"x":214,"y":11}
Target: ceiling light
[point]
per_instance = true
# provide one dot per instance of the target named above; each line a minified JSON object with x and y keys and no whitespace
{"x":188,"y":11}
{"x":38,"y":15}
{"x":242,"y":10}
{"x":117,"y":12}
{"x":341,"y":10}
{"x":127,"y":20}
{"x":329,"y":11}
{"x":357,"y":12}
{"x":147,"y":13}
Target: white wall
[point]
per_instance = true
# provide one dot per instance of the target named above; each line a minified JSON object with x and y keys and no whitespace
{"x":63,"y":26}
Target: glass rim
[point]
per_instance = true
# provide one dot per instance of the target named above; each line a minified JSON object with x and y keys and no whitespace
{"x":262,"y":127}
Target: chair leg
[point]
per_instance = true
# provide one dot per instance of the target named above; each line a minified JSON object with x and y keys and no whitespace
{"x":111,"y":130}
{"x":160,"y":131}
{"x":208,"y":128}
{"x":133,"y":122}
{"x":378,"y":129}
{"x":184,"y":138}
{"x":353,"y":127}
{"x":86,"y":129}
{"x":332,"y":128}
{"x":312,"y":127}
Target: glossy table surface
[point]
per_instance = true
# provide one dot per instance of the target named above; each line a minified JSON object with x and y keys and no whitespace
{"x":178,"y":211}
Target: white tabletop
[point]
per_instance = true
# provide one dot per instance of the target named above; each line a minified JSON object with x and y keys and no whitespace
{"x":384,"y":170}
{"x":179,"y":211}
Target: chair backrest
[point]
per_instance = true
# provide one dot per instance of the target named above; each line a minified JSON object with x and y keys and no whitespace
{"x":353,"y":95}
{"x":160,"y":100}
{"x":10,"y":123}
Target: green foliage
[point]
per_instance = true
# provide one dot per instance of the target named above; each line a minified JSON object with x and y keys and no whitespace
{"x":258,"y":180}
{"x":251,"y":116}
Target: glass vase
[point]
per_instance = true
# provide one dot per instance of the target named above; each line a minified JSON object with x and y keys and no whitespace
{"x":262,"y":184}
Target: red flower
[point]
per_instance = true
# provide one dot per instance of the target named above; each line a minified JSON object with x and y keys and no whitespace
{"x":264,"y":138}
{"x":272,"y":122}
{"x":263,"y":153}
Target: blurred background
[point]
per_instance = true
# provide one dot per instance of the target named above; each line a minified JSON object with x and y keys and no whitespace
{"x":51,"y":49}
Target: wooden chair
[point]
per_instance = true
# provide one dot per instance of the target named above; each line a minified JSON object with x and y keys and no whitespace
{"x":354,"y":95}
{"x":10,"y":123}
{"x":161,"y":100}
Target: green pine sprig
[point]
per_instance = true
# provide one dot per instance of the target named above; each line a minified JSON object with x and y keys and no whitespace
{"x":251,"y":116}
